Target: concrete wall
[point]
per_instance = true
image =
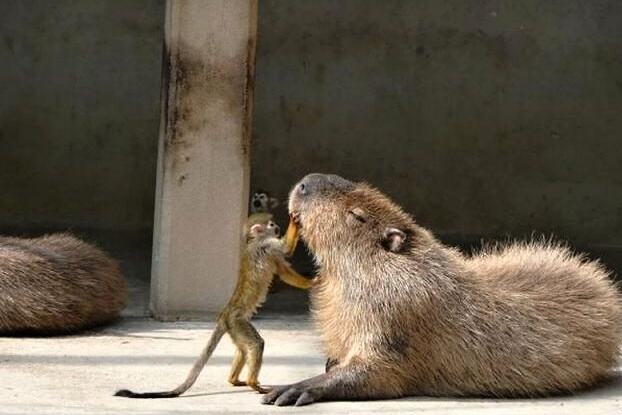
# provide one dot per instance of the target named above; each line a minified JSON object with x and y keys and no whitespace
{"x":483,"y":118}
{"x":79,"y":112}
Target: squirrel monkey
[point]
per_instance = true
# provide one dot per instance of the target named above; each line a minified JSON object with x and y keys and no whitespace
{"x":262,"y":202}
{"x":263,"y":257}
{"x":261,"y":206}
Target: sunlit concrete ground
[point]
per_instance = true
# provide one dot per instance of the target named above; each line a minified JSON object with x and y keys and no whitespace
{"x":79,"y":374}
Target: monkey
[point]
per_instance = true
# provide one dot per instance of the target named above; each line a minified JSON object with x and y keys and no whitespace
{"x":262,"y":202}
{"x":262,"y":258}
{"x":402,"y":314}
{"x":57,"y":284}
{"x":261,"y":206}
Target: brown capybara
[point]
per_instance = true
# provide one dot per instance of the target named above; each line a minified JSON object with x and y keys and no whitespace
{"x":401,"y":314}
{"x":57,"y":284}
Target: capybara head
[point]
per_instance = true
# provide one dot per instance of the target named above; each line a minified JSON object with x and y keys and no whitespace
{"x":335,"y":214}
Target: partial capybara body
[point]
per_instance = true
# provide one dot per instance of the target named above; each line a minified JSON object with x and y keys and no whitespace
{"x":402,"y":314}
{"x":57,"y":284}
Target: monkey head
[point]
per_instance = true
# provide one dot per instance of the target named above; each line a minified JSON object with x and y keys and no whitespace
{"x":261,"y":202}
{"x":335,"y":215}
{"x":264,"y":230}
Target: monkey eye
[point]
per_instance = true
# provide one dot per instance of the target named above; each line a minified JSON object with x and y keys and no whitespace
{"x":358,"y":214}
{"x":262,"y":196}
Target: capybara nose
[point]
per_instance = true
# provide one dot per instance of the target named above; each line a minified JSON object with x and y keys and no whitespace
{"x":317,"y":182}
{"x":302,"y":189}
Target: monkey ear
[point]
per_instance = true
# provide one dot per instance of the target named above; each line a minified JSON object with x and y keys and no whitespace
{"x":256,"y":229}
{"x":393,"y":239}
{"x":274,"y":202}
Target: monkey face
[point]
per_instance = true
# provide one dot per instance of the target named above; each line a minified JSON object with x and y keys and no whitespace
{"x":335,"y":214}
{"x":273,"y":229}
{"x":267,"y":230}
{"x":261,"y":202}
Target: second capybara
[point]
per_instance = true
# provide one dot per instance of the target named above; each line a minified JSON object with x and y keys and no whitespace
{"x":57,"y":284}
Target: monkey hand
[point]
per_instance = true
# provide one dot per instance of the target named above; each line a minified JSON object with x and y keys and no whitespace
{"x":295,"y":217}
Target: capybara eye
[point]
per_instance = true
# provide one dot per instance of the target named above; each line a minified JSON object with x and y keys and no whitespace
{"x":358,"y":214}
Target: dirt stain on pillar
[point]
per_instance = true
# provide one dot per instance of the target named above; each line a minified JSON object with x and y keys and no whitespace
{"x":200,"y":93}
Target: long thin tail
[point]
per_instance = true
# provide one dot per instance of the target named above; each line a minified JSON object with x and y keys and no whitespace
{"x":219,"y":331}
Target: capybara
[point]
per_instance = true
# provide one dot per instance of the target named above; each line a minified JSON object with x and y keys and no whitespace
{"x":57,"y":284}
{"x":402,"y":314}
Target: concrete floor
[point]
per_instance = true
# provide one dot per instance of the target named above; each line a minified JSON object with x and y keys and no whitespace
{"x":79,"y":374}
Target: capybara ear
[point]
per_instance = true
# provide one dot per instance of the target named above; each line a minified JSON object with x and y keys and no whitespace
{"x":393,"y":239}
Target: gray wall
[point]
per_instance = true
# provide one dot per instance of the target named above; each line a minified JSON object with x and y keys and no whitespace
{"x":483,"y":118}
{"x":79,"y":112}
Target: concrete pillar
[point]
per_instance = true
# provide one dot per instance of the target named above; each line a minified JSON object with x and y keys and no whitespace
{"x":203,"y":160}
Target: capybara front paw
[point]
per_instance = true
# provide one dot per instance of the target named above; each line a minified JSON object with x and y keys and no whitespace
{"x":296,"y":394}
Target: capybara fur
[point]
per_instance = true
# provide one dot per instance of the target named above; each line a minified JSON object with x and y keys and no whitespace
{"x":57,"y":284}
{"x":402,"y":314}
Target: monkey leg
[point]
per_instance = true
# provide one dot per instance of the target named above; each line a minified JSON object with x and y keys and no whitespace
{"x":354,"y":381}
{"x":236,"y":367}
{"x":248,"y":339}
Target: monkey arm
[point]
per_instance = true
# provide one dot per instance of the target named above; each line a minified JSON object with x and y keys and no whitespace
{"x":356,"y":380}
{"x":291,"y":277}
{"x":291,"y":236}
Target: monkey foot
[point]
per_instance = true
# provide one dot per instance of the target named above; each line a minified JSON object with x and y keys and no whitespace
{"x":255,"y":386}
{"x":261,"y":389}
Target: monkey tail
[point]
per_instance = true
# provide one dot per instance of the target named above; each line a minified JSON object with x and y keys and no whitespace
{"x":219,"y":331}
